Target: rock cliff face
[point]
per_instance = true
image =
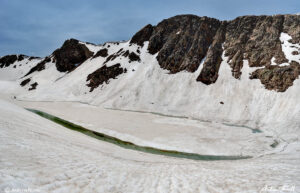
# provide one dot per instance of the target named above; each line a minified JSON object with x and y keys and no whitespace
{"x":182,"y":42}
{"x":255,"y":38}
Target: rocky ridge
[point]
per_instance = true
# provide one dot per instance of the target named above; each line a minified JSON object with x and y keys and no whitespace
{"x":7,"y":60}
{"x":182,"y":42}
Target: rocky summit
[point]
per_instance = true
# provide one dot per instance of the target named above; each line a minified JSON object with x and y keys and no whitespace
{"x":71,"y":55}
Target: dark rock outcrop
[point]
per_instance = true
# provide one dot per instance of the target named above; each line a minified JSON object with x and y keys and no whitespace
{"x":103,"y":53}
{"x":21,"y":57}
{"x":278,"y":78}
{"x":291,"y":26}
{"x":134,"y":57}
{"x":33,"y":86}
{"x":131,"y":55}
{"x":115,"y":55}
{"x":7,"y":60}
{"x":40,"y":66}
{"x":143,"y":35}
{"x":103,"y":74}
{"x":71,"y":55}
{"x":126,"y":54}
{"x":112,"y":57}
{"x":33,"y":57}
{"x":24,"y":82}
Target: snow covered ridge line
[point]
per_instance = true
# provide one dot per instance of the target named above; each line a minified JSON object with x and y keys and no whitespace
{"x":132,"y":146}
{"x":244,"y":38}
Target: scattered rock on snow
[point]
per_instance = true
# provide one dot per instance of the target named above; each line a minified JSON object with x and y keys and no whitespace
{"x":40,"y":66}
{"x":33,"y":86}
{"x":103,"y":74}
{"x":103,"y":53}
{"x":24,"y":82}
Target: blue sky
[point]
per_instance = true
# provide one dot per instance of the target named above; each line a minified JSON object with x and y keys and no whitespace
{"x":38,"y":27}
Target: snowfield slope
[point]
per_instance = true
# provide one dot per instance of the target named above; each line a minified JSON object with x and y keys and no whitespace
{"x":40,"y":155}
